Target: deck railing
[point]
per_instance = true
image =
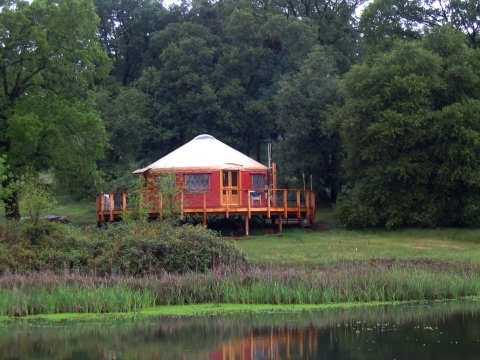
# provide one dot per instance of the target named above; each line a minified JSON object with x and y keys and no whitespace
{"x":285,"y":202}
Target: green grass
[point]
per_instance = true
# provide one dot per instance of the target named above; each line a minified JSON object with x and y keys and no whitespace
{"x":329,"y":244}
{"x":46,"y":293}
{"x":80,"y":213}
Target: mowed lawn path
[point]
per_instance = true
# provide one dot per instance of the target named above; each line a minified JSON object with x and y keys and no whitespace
{"x":304,"y":247}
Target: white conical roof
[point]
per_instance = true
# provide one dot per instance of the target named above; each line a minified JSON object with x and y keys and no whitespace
{"x":204,"y":153}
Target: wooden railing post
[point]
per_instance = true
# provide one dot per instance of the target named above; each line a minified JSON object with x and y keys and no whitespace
{"x":268,"y":203}
{"x":124,"y":201}
{"x":227,"y":215}
{"x":285,"y":203}
{"x":249,"y":211}
{"x":112,"y":204}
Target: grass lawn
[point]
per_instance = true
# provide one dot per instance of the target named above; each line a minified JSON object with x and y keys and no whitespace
{"x":329,"y":244}
{"x":79,"y":213}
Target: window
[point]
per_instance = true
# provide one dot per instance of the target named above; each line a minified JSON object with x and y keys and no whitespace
{"x":197,"y":183}
{"x":259,"y":181}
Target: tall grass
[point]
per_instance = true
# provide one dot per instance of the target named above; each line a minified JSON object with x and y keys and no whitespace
{"x":42,"y":293}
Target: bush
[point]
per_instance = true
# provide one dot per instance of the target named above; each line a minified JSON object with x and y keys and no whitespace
{"x":136,"y":248}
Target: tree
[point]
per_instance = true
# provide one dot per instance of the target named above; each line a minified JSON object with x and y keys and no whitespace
{"x":384,"y":21}
{"x":7,"y":191}
{"x":411,"y":128}
{"x":49,"y":59}
{"x":336,"y":26}
{"x":36,"y":198}
{"x":126,"y":27}
{"x":465,"y":16}
{"x":308,"y":148}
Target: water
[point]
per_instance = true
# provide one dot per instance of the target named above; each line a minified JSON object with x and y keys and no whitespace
{"x":415,"y":331}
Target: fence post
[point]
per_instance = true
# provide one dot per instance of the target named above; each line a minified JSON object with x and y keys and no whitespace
{"x":112,"y":204}
{"x":268,"y":203}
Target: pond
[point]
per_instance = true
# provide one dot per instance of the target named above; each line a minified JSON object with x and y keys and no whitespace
{"x":444,"y":330}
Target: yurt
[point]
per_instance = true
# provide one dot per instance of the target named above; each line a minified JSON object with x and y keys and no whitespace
{"x":211,"y":173}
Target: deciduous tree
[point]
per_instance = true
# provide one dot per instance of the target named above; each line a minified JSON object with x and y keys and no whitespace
{"x":411,"y":127}
{"x":308,"y":147}
{"x":49,"y":59}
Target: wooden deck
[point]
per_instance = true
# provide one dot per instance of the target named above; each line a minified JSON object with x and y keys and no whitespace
{"x":277,"y":204}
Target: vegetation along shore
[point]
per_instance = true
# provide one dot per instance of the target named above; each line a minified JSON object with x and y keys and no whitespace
{"x":136,"y":266}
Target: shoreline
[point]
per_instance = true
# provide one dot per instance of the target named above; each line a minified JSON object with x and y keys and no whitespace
{"x":206,"y":310}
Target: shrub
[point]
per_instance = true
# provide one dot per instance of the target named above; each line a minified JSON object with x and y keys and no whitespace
{"x":135,"y":248}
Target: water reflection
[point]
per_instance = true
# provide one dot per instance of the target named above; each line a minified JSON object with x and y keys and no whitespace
{"x":435,"y":331}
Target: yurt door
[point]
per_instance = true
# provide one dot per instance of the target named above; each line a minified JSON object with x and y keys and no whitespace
{"x":230,"y":191}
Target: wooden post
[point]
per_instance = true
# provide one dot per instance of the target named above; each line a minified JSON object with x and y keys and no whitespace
{"x":112,"y":204}
{"x":285,"y":203}
{"x":280,"y":223}
{"x":268,"y":203}
{"x":227,"y":215}
{"x":249,"y":211}
{"x":307,"y":202}
{"x":204,"y":208}
{"x":124,"y":201}
{"x":247,"y":226}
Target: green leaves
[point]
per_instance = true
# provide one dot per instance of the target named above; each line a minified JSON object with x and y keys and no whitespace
{"x":412,"y":135}
{"x":303,"y":100}
{"x":49,"y":61}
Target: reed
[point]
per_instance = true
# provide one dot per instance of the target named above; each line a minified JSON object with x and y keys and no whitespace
{"x":47,"y":293}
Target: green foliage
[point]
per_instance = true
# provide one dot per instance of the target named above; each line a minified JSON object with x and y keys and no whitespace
{"x":169,"y":193}
{"x":385,"y":21}
{"x":36,"y":198}
{"x":411,"y":127}
{"x":127,"y":248}
{"x":308,"y":148}
{"x":147,"y":248}
{"x":50,"y":59}
{"x":6,"y":187}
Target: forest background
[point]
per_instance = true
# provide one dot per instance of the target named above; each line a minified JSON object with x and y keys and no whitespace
{"x":382,"y":109}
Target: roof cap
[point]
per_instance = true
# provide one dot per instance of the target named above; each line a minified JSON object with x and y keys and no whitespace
{"x":204,"y":137}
